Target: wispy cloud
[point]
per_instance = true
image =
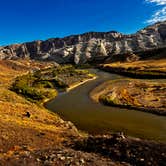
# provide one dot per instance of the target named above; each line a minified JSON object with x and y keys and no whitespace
{"x":159,"y":15}
{"x":158,"y":2}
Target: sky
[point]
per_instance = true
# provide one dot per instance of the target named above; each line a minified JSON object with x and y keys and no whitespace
{"x":28,"y":20}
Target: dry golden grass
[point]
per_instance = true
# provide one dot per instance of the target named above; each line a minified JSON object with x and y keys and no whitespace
{"x":10,"y":69}
{"x":150,"y":65}
{"x":42,"y":129}
{"x":133,"y":93}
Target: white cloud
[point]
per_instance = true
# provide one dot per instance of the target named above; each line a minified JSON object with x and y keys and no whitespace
{"x":159,"y":15}
{"x":158,"y":2}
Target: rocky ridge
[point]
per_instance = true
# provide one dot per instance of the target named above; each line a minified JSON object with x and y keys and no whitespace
{"x":90,"y":47}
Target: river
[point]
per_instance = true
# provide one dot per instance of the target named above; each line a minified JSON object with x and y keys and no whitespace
{"x":95,"y":118}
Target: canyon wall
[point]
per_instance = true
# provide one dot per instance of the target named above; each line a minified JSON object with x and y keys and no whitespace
{"x":90,"y":47}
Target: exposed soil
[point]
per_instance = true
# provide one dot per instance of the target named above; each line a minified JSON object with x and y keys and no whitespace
{"x":57,"y":156}
{"x":127,"y":150}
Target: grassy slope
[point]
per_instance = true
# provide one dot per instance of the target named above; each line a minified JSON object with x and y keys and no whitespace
{"x":42,"y":129}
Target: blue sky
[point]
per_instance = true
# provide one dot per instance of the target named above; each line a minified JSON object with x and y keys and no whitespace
{"x":27,"y":20}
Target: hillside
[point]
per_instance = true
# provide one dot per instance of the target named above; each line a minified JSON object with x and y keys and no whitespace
{"x":16,"y":127}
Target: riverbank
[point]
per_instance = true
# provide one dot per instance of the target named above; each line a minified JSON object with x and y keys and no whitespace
{"x":146,"y":96}
{"x":152,"y":69}
{"x":43,"y":85}
{"x":80,"y":83}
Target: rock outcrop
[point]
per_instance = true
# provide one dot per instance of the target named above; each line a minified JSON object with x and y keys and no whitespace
{"x":90,"y":47}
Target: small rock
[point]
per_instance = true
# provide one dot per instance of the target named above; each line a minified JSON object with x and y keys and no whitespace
{"x":82,"y":161}
{"x":62,"y":158}
{"x":52,"y":156}
{"x":28,"y":115}
{"x":77,"y":163}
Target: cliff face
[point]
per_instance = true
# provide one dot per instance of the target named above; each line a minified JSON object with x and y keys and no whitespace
{"x":92,"y":46}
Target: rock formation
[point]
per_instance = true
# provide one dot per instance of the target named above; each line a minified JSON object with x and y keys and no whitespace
{"x":90,"y":47}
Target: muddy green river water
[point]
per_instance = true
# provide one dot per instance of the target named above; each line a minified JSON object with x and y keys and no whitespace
{"x":95,"y":118}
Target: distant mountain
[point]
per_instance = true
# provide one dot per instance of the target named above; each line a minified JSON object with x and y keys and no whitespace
{"x":90,"y":47}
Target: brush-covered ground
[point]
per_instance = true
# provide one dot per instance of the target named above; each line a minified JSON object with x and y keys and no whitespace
{"x":139,"y":69}
{"x":44,"y":84}
{"x":149,"y":96}
{"x":31,"y":135}
{"x":139,"y":94}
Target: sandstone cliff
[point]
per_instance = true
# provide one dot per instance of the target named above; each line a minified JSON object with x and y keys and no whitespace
{"x":89,"y":47}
